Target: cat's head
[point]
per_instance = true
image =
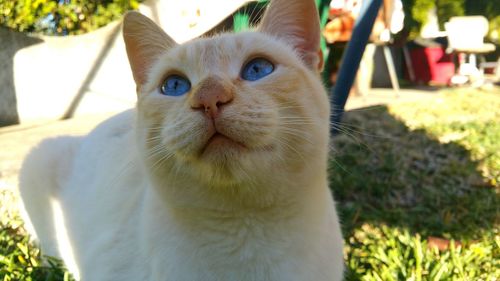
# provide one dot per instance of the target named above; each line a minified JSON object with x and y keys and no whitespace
{"x":233,"y":108}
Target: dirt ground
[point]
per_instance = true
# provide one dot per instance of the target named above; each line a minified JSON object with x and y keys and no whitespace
{"x":16,"y":141}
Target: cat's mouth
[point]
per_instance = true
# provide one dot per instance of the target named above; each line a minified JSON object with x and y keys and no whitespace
{"x":219,"y":141}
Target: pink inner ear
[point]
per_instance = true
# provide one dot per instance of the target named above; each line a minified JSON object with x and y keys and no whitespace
{"x":296,"y":22}
{"x":144,"y":41}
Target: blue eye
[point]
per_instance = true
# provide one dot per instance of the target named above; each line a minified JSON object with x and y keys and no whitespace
{"x":257,"y":69}
{"x":175,"y":85}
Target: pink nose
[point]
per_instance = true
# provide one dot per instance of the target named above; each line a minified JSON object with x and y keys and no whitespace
{"x":211,"y":95}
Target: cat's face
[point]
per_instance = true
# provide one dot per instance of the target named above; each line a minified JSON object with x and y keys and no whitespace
{"x":231,"y":108}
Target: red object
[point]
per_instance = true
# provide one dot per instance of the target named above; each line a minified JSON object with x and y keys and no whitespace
{"x":432,"y":65}
{"x":339,"y":29}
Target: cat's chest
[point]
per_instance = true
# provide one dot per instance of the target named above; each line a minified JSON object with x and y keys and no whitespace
{"x":243,"y":248}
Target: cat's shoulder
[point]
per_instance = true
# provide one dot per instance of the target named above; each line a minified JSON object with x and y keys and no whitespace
{"x":111,"y":137}
{"x":116,"y":126}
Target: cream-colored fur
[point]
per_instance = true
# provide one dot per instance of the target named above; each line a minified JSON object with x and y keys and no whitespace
{"x":148,"y":195}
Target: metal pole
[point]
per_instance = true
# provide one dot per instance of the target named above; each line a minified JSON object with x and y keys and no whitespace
{"x":392,"y":70}
{"x":351,"y":58}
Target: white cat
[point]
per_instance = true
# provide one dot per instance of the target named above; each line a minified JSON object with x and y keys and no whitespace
{"x":220,"y":173}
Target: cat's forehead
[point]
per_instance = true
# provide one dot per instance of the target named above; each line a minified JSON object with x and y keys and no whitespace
{"x":222,"y":46}
{"x":222,"y":53}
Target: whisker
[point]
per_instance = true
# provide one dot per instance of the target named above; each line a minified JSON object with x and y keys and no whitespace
{"x":298,"y":123}
{"x":357,"y":129}
{"x":297,"y":133}
{"x":290,"y":107}
{"x":153,"y":139}
{"x":337,"y":163}
{"x":154,"y":129}
{"x":351,"y":135}
{"x":154,"y":153}
{"x":296,"y":117}
{"x":161,"y":160}
{"x":290,"y":147}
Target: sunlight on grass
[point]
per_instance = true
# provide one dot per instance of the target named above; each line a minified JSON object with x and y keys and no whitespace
{"x":469,"y":118}
{"x":417,"y":188}
{"x":392,"y":253}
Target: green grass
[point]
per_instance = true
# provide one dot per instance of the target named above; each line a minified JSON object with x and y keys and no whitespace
{"x":408,"y":174}
{"x":403,"y":176}
{"x":19,"y":259}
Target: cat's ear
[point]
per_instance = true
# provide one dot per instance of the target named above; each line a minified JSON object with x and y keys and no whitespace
{"x":296,"y":22}
{"x":144,"y":41}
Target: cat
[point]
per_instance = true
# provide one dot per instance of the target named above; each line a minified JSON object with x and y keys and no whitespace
{"x":219,"y":173}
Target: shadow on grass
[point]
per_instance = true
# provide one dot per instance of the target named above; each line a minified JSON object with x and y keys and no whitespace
{"x":383,"y":173}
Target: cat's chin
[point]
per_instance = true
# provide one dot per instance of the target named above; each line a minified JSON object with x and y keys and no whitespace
{"x":221,"y":144}
{"x":222,"y":149}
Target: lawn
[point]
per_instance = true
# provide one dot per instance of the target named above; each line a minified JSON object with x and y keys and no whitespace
{"x":417,"y":186}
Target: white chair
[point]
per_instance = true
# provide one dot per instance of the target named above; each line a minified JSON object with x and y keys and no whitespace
{"x":466,"y":36}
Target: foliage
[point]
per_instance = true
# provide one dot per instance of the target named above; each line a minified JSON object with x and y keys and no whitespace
{"x":61,"y":17}
{"x":20,"y":260}
{"x":406,"y":174}
{"x":494,"y":34}
{"x":489,"y":9}
{"x":416,"y":12}
{"x":447,"y":9}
